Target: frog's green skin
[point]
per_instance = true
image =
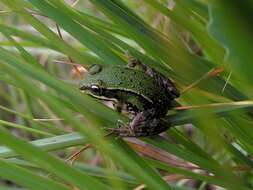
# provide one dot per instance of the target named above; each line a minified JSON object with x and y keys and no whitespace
{"x":139,"y":89}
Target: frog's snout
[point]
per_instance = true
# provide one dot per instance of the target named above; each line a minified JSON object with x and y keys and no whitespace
{"x":82,"y":87}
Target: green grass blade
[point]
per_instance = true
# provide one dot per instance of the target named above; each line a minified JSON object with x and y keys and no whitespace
{"x":27,"y":179}
{"x":51,"y":163}
{"x":212,"y":48}
{"x":89,"y":39}
{"x":49,"y":144}
{"x":43,"y":29}
{"x":25,"y":128}
{"x":228,"y":21}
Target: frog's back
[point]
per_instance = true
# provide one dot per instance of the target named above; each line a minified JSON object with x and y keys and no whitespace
{"x":132,"y":80}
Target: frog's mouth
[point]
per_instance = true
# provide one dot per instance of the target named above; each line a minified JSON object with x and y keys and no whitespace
{"x":98,"y":93}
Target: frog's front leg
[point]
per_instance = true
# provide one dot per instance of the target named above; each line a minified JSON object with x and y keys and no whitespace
{"x":118,"y":106}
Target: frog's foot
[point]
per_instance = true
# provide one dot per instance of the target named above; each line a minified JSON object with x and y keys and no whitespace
{"x":155,"y":127}
{"x":132,"y":62}
{"x":144,"y":124}
{"x":120,"y":124}
{"x":122,"y":131}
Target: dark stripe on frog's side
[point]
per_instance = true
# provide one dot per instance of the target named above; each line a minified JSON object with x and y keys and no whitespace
{"x":119,"y":89}
{"x":125,"y":96}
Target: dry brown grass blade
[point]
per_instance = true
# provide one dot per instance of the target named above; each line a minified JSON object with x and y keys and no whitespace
{"x":158,"y":154}
{"x":212,"y":73}
{"x":70,"y":59}
{"x":168,"y":178}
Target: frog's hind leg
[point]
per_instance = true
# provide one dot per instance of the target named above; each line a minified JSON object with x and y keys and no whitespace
{"x":149,"y":127}
{"x":144,"y":124}
{"x":133,"y":62}
{"x":139,"y":120}
{"x":152,"y":127}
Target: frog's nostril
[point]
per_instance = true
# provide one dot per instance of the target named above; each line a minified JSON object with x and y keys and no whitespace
{"x":82,"y":87}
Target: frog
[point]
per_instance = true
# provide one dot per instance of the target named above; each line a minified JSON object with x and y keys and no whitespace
{"x":146,"y":94}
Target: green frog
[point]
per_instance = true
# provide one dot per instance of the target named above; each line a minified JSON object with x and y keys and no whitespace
{"x":145,"y":93}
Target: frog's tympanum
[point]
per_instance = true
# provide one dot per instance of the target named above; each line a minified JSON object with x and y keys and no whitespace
{"x":145,"y":93}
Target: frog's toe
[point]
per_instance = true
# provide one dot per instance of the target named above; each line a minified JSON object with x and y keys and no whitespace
{"x":122,"y":132}
{"x":120,"y":124}
{"x":112,"y":130}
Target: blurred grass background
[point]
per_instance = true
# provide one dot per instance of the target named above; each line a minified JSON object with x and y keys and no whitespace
{"x":203,"y":45}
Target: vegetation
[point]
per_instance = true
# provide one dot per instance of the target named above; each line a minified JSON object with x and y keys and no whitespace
{"x":203,"y":45}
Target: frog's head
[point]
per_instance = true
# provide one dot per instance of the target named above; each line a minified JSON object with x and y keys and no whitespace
{"x":92,"y":83}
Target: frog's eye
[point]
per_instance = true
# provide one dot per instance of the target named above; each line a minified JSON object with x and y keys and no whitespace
{"x":95,"y":89}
